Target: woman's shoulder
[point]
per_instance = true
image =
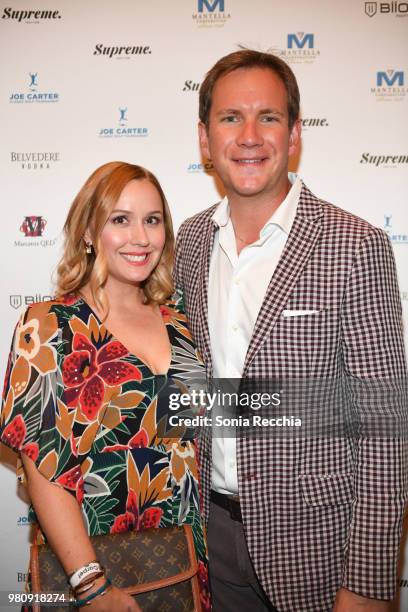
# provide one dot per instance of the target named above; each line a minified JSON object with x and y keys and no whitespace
{"x":50,"y":313}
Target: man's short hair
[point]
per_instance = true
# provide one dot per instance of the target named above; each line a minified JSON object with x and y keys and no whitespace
{"x":249,"y":58}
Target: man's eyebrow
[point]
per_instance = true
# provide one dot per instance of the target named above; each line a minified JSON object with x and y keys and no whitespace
{"x":228,"y":111}
{"x":271,"y":111}
{"x":263,"y":111}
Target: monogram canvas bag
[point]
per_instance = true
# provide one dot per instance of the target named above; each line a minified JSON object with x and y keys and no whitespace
{"x":157,"y":566}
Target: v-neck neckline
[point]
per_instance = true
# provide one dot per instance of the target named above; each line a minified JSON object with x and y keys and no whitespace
{"x":113,"y":337}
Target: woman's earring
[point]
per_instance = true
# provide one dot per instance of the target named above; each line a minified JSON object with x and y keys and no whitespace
{"x":88,"y":248}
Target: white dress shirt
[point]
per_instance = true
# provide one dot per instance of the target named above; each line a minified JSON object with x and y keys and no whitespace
{"x":237,"y":286}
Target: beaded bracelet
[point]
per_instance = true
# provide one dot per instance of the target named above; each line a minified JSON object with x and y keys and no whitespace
{"x":87,"y":600}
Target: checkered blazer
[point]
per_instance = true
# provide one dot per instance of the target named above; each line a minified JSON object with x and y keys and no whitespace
{"x":319,"y":513}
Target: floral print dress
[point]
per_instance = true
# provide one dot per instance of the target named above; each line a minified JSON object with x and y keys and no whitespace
{"x":94,"y":419}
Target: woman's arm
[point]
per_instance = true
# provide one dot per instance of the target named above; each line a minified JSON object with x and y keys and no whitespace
{"x":61,"y":521}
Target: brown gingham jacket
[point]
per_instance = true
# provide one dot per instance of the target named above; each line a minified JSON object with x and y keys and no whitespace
{"x":318,"y":513}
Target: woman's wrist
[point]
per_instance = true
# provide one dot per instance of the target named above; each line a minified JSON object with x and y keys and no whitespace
{"x":101,"y":586}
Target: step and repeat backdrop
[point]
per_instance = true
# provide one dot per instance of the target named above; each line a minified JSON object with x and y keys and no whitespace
{"x":87,"y":82}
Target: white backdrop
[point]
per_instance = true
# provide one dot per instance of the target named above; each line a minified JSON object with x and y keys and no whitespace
{"x":87,"y":82}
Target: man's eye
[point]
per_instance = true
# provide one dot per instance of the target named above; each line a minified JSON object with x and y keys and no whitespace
{"x":269,"y":118}
{"x":229,"y":119}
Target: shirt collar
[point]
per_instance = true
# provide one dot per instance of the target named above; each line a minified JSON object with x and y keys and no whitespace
{"x":283,"y":216}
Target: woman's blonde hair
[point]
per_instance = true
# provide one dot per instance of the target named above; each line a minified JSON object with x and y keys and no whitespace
{"x":90,"y":210}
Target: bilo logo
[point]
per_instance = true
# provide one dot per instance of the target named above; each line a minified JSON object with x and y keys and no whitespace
{"x":370,"y":8}
{"x":389,"y":78}
{"x":300,"y":40}
{"x":15,"y":301}
{"x":33,"y":81}
{"x":210,"y":6}
{"x":33,"y":227}
{"x":398,"y":9}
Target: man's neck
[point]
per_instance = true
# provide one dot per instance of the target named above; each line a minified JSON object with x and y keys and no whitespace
{"x":249,"y":214}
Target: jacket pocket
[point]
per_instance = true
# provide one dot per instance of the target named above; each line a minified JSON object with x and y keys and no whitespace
{"x":327,"y":489}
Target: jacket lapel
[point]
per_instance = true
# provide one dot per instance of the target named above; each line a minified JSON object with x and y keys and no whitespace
{"x":203,"y":269}
{"x":301,"y":241}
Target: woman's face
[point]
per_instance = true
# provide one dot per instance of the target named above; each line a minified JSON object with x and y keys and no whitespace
{"x":134,"y":235}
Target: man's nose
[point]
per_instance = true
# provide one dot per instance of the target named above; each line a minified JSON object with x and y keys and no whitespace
{"x":250,"y":134}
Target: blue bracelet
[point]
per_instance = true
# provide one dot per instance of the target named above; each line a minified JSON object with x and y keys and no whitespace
{"x":82,"y":602}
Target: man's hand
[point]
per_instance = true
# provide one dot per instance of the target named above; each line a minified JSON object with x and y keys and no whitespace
{"x":347,"y":601}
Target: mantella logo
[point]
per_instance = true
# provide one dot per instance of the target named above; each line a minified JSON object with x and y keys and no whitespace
{"x":211,"y":13}
{"x":33,"y":226}
{"x":385,"y":161}
{"x":122,"y":128}
{"x":389,"y":86}
{"x":30,"y":16}
{"x":18,"y":300}
{"x":300,"y":48}
{"x":35,"y":160}
{"x":122,"y":52}
{"x":32,"y":94}
{"x":398,"y":9}
{"x":395,"y":237}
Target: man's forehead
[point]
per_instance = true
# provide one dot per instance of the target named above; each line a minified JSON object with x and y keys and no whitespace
{"x":260,"y":87}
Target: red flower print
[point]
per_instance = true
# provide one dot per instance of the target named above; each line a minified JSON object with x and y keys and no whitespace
{"x":73,"y":480}
{"x":131,"y":519}
{"x":150,"y":518}
{"x":123,"y":522}
{"x":139,"y":440}
{"x":15,"y":433}
{"x":86,"y":371}
{"x":31,"y":450}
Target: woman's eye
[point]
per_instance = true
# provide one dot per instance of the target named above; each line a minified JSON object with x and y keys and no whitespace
{"x":119,"y":220}
{"x":153,"y":220}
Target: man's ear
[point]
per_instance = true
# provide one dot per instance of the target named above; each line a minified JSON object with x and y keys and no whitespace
{"x":294,"y":138}
{"x":203,"y":137}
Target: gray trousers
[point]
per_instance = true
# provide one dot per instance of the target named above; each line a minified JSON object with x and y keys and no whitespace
{"x":234,"y":585}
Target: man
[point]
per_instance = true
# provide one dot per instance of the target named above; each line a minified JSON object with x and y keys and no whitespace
{"x":279,"y":284}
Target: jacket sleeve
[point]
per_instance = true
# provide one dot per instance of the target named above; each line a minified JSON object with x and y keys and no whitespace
{"x":375,"y":370}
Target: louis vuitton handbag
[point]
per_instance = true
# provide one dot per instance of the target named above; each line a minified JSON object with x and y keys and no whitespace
{"x":157,"y":566}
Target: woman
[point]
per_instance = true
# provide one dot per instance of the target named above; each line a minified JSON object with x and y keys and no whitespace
{"x":85,"y":390}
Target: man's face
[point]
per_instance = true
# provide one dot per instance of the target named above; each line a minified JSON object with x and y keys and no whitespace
{"x":248,"y":139}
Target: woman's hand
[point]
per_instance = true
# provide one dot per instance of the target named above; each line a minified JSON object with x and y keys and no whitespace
{"x":114,"y":600}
